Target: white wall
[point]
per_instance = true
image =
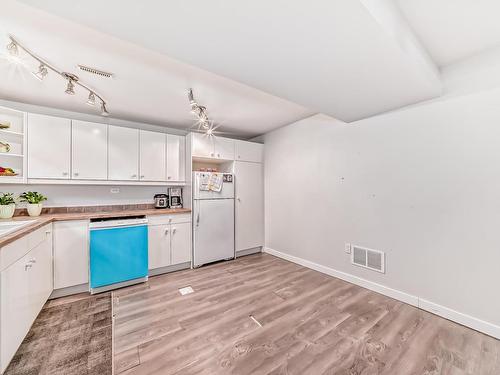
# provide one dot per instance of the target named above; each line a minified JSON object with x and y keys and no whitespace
{"x":421,"y":184}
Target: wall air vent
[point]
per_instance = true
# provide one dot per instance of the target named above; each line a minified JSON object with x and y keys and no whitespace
{"x":368,"y":258}
{"x":95,"y":71}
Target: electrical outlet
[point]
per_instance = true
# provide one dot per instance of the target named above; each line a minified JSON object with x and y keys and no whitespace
{"x":114,"y":190}
{"x":347,"y":248}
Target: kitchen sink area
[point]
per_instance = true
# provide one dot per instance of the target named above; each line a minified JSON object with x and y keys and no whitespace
{"x":7,"y":227}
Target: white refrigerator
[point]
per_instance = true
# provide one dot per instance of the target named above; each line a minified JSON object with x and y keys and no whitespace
{"x":213,"y":219}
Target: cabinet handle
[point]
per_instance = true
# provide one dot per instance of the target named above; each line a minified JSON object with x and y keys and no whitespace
{"x":166,"y":232}
{"x":142,"y":176}
{"x":238,"y":199}
{"x":76,"y":174}
{"x":169,"y":177}
{"x":47,"y":232}
{"x":174,"y":230}
{"x":218,"y":155}
{"x":211,"y":154}
{"x":32,"y":261}
{"x":27,"y":266}
{"x":65,"y":173}
{"x":134,"y":176}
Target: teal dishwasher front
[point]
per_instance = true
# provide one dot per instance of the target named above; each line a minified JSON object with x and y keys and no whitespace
{"x":118,"y":253}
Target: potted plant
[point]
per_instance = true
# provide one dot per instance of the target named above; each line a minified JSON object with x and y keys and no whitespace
{"x":34,"y":202}
{"x":7,"y":205}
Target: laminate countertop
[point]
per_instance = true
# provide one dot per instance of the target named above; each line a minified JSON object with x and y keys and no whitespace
{"x":44,"y":219}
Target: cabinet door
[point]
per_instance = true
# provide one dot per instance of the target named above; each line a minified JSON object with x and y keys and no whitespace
{"x":159,"y":246}
{"x":123,"y":155}
{"x":224,"y":148}
{"x":249,"y":212}
{"x":181,"y":243}
{"x":249,"y":151}
{"x":202,"y":145}
{"x":15,"y":308}
{"x":176,"y":156}
{"x":152,"y":148}
{"x":49,"y":147}
{"x":71,"y":253}
{"x":40,"y":275}
{"x":89,"y":150}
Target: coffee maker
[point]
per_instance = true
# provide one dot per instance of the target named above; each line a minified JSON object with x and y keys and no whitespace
{"x":175,"y":197}
{"x":161,"y":200}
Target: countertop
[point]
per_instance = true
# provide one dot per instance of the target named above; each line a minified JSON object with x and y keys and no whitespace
{"x":45,"y":219}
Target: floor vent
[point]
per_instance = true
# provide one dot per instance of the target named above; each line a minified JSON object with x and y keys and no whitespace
{"x":368,"y":258}
{"x":186,"y":290}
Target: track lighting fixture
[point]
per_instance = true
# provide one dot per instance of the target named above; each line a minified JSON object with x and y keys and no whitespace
{"x":42,"y":72}
{"x":104,"y":111}
{"x":200,"y":112}
{"x":12,"y":48}
{"x":70,"y":89}
{"x":91,"y":99}
{"x":72,"y":80}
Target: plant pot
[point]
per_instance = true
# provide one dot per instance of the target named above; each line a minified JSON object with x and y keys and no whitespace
{"x":7,"y":211}
{"x":34,"y":209}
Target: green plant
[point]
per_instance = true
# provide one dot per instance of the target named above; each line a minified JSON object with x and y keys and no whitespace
{"x":6,"y":199}
{"x":32,"y":197}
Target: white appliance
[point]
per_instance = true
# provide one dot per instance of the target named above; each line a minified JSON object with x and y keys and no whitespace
{"x":213,"y":218}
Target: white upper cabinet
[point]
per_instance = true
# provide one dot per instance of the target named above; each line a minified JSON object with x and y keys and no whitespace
{"x":224,"y":148}
{"x":212,"y":147}
{"x":176,"y":156}
{"x":89,"y":151}
{"x":202,"y":146}
{"x":152,"y":146}
{"x":123,"y":153}
{"x":49,"y":147}
{"x":249,"y":151}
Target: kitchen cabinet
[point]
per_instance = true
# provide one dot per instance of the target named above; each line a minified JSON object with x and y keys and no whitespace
{"x":123,"y":154}
{"x":89,"y":150}
{"x":71,"y":259}
{"x":152,"y":156}
{"x":181,"y":243}
{"x":176,"y":156}
{"x":159,"y":246}
{"x":211,"y":147}
{"x":249,"y":205}
{"x":249,"y":151}
{"x":49,"y":147}
{"x":25,"y":285}
{"x":169,"y":240}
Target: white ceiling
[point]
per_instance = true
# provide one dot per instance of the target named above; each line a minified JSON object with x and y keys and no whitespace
{"x":331,"y":56}
{"x":452,"y":30}
{"x":149,"y":87}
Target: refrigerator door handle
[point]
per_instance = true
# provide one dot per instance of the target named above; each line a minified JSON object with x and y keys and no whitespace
{"x":197,"y":215}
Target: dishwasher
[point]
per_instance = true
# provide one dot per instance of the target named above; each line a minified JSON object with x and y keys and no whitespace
{"x":118,"y":252}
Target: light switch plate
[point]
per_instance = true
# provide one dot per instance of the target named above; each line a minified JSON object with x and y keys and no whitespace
{"x":347,"y":248}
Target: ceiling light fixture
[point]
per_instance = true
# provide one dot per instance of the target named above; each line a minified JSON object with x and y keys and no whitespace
{"x":72,"y":80}
{"x":91,"y":99}
{"x":200,"y":112}
{"x":12,"y":48}
{"x":104,"y":111}
{"x":42,"y":72}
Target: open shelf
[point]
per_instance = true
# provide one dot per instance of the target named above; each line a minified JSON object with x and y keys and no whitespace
{"x":4,"y":131}
{"x":11,"y":155}
{"x":14,"y":136}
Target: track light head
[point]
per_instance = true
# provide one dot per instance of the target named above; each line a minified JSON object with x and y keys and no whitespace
{"x":13,"y":48}
{"x":42,"y":72}
{"x":104,"y":111}
{"x":91,"y":99}
{"x":70,"y":89}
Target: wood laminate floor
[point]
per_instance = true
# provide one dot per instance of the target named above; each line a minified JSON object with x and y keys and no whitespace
{"x":263,"y":315}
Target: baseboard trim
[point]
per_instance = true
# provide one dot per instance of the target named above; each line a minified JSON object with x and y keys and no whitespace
{"x":253,"y":250}
{"x":63,"y":292}
{"x":447,"y":313}
{"x":168,"y":269}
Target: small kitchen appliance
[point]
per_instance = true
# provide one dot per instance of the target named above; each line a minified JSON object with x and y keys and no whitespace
{"x":161,"y":200}
{"x":175,"y":197}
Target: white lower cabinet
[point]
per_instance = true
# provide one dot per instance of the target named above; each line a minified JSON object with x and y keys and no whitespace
{"x":169,"y":240}
{"x":25,"y":285}
{"x":71,"y":253}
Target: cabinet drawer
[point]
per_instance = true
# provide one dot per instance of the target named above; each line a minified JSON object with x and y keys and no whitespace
{"x":169,"y":219}
{"x":19,"y":248}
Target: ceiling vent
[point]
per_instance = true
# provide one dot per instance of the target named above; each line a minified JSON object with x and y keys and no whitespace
{"x":368,"y":258}
{"x":95,"y":71}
